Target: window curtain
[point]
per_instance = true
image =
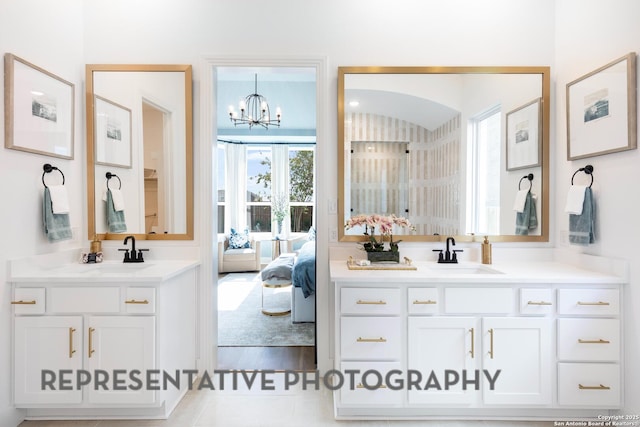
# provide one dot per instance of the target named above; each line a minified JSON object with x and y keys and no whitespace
{"x":236,"y":191}
{"x":280,"y":184}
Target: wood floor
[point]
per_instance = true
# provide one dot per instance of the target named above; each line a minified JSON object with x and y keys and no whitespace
{"x":272,"y":358}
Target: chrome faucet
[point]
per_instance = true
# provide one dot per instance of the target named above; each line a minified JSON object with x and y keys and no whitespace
{"x":133,"y":256}
{"x":450,"y":255}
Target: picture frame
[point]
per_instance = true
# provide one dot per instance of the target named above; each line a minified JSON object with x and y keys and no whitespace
{"x":112,"y":133}
{"x":39,"y":110}
{"x":523,"y":129}
{"x":601,"y":110}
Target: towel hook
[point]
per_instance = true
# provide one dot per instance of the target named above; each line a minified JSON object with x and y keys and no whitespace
{"x":110,"y":175}
{"x":47,"y":168}
{"x":588,"y":170}
{"x":530,"y":178}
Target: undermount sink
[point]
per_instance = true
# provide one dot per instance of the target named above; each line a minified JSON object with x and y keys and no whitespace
{"x":122,"y":267}
{"x":462,"y":269}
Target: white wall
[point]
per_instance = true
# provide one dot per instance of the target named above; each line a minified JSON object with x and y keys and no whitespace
{"x":62,"y":36}
{"x":607,"y":31}
{"x":49,"y":35}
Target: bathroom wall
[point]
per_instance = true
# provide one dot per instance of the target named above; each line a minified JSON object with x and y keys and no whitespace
{"x":62,"y":36}
{"x":607,"y":31}
{"x":49,"y":35}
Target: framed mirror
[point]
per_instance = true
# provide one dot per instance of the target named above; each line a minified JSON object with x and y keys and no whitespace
{"x":139,"y":151}
{"x":449,"y":148}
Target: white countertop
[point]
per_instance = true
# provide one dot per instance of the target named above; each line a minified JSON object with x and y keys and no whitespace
{"x":469,"y":272}
{"x":105,"y":272}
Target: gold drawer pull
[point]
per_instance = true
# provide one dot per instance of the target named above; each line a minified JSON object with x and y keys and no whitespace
{"x":21,"y":302}
{"x":380,"y":386}
{"x":593,"y":303}
{"x":600,"y":341}
{"x":371,"y":302}
{"x":491,"y":343}
{"x":71,"y":350}
{"x":538,"y":303}
{"x":91,"y":350}
{"x":593,"y":387}
{"x":360,"y":339}
{"x":134,"y":301}
{"x":429,"y":301}
{"x":472,"y":352}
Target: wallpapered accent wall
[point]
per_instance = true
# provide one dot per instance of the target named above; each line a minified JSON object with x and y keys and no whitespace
{"x":433,"y":175}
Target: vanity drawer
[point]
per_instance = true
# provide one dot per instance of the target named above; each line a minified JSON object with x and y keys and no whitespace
{"x":589,"y":384}
{"x":371,"y":396}
{"x":599,"y":302}
{"x":370,"y":338}
{"x":478,"y":300}
{"x":423,"y":301}
{"x":84,"y":300}
{"x":376,"y":301}
{"x":589,"y":339}
{"x":29,"y":300}
{"x":140,"y":300}
{"x":536,"y":301}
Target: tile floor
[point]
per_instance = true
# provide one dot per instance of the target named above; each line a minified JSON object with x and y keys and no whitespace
{"x":252,"y":408}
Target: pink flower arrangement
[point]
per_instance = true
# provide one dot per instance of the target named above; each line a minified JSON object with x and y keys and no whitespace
{"x":385,"y":227}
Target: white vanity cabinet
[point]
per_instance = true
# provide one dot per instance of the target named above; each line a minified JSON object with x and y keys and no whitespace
{"x":478,"y":346}
{"x":113,"y":334}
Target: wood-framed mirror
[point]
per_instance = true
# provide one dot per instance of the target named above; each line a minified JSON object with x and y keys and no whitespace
{"x":469,"y":138}
{"x":140,"y":142}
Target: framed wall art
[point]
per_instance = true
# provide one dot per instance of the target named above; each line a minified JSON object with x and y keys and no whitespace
{"x":39,"y":109}
{"x":113,"y":133}
{"x":601,"y":110}
{"x":523,"y":136}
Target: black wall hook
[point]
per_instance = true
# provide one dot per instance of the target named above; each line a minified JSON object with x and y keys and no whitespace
{"x":47,"y":168}
{"x":110,"y":175}
{"x":588,"y":169}
{"x":530,"y":178}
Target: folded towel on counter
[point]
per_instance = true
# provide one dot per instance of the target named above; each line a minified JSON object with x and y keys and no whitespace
{"x":115,"y":218}
{"x":581,"y":226}
{"x":56,"y":226}
{"x":116,"y":197}
{"x":528,"y":218}
{"x":575,"y":199}
{"x":521,"y":198}
{"x":59,"y":199}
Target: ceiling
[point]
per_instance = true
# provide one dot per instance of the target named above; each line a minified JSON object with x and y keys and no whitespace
{"x":294,"y":91}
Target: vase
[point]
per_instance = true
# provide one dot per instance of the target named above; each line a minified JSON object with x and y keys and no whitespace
{"x":383,"y":256}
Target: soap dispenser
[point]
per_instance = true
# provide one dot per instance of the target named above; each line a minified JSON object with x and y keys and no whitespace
{"x":486,"y":251}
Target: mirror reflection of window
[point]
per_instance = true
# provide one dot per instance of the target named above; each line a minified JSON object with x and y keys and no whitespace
{"x":484,"y":215}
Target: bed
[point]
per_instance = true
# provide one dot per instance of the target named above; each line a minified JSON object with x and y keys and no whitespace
{"x":301,"y":270}
{"x":303,"y":276}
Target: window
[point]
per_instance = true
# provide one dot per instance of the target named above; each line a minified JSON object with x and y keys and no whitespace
{"x":221,"y":187}
{"x":250,"y":176}
{"x":301,"y":187}
{"x":259,"y":188}
{"x":484,"y":180}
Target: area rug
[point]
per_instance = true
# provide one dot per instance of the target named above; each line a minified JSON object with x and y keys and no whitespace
{"x":241,"y":321}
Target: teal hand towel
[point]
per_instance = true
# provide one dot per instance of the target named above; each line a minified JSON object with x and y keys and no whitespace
{"x":56,"y":226}
{"x":527,"y":219}
{"x":581,"y":226}
{"x":115,"y":219}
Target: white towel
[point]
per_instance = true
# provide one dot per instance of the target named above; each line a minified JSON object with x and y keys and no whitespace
{"x":117,"y":197}
{"x":118,"y":200}
{"x":575,"y":199}
{"x":59,"y":199}
{"x":521,"y":198}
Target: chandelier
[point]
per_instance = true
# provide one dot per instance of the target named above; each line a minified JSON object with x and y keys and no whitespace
{"x":254,"y":110}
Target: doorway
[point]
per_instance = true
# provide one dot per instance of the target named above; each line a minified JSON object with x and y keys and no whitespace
{"x":255,"y":167}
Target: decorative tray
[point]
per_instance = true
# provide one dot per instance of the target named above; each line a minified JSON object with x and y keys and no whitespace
{"x":381,"y":266}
